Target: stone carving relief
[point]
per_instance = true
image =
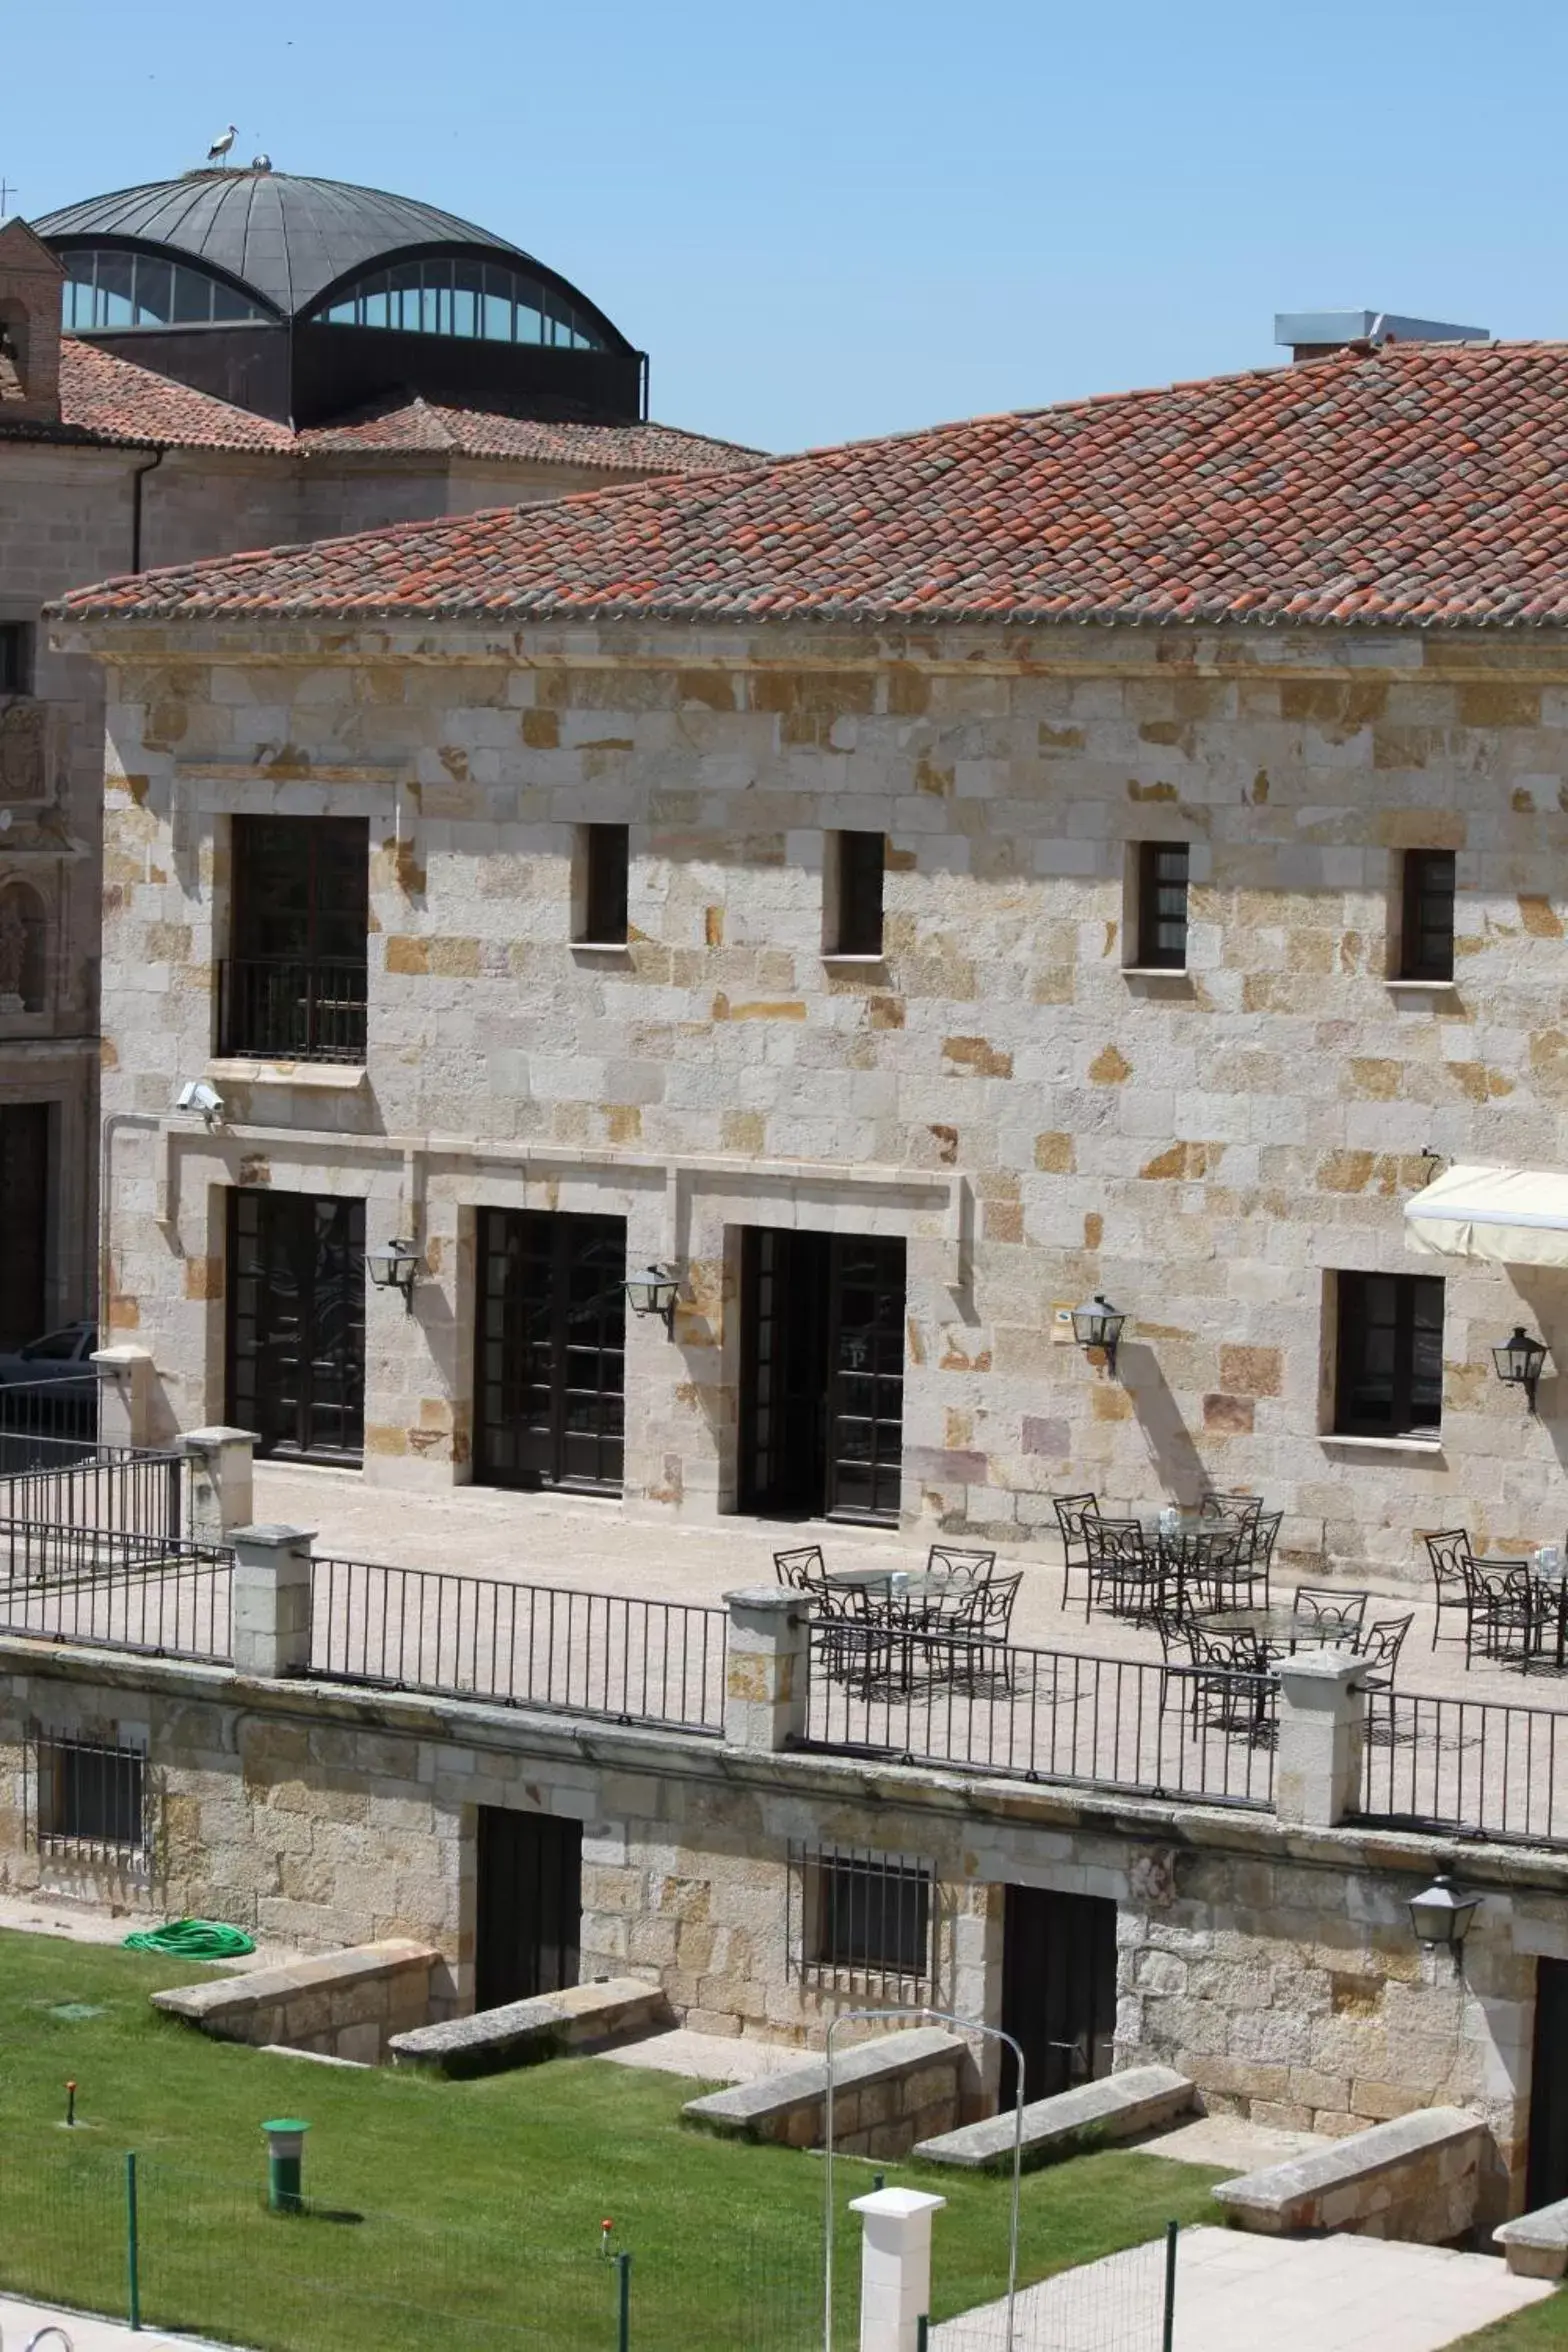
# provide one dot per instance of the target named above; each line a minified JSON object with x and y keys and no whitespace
{"x":26,"y":771}
{"x":22,"y":950}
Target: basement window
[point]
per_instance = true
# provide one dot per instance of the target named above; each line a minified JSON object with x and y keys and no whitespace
{"x":860,"y":1920}
{"x":89,"y":1798}
{"x":852,"y":911}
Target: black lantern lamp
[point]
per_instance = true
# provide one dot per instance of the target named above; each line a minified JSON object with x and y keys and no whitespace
{"x":393,"y":1266}
{"x":1519,"y":1362}
{"x":1099,"y":1325}
{"x":1442,"y":1915}
{"x":654,"y":1292}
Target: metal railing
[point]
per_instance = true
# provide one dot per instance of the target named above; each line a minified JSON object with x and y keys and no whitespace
{"x":46,"y":1422}
{"x":122,"y":1489}
{"x":121,"y":1591}
{"x":273,"y":1010}
{"x":1476,"y":1765}
{"x":1203,"y":1734}
{"x":523,"y":1645}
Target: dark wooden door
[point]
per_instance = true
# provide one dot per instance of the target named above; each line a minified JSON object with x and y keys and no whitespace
{"x":822,"y":1375}
{"x":865,"y":1450}
{"x":550,"y":1379}
{"x":1058,"y":1989}
{"x":24,"y":1221}
{"x":1547,"y":2176}
{"x":530,"y":1905}
{"x":296,"y":1313}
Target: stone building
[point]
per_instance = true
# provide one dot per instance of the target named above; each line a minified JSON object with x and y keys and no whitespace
{"x":901,"y":891}
{"x":248,"y":358}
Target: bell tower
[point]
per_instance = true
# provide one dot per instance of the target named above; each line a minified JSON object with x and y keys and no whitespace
{"x":30,"y":281}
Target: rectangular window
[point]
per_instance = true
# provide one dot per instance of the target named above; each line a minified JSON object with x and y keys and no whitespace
{"x":606,"y":864}
{"x":1426,"y":939}
{"x":16,"y":657}
{"x":90,"y":1797}
{"x":861,"y":1919}
{"x":1389,"y":1370}
{"x":854,"y":873}
{"x":1162,"y":906}
{"x":294,"y":987}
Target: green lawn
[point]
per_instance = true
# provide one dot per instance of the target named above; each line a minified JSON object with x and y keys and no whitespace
{"x":1543,"y":2323}
{"x":475,"y":2205}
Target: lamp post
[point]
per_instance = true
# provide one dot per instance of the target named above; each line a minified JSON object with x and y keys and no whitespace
{"x":1519,"y":1360}
{"x":654,"y":1292}
{"x":1441,"y":1915}
{"x":393,"y":1266}
{"x":1099,"y":1325}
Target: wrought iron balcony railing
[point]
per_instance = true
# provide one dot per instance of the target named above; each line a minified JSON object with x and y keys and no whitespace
{"x":291,"y":1012}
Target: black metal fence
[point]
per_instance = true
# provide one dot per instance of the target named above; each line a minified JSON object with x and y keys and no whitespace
{"x":1178,"y":1731}
{"x":296,"y":1012}
{"x":122,"y":1489}
{"x":523,"y":1645}
{"x":122,"y":1591}
{"x":47,"y":1422}
{"x":1476,"y":1765}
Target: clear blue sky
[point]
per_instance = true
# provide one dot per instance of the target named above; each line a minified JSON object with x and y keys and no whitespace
{"x":848,"y":216}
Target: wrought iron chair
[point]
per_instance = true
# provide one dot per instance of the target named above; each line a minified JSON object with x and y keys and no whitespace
{"x":1223,"y":1564}
{"x":1123,"y":1564}
{"x":1381,"y":1645}
{"x":1230,"y":1689}
{"x":1504,"y":1603}
{"x":982,"y":1639}
{"x":1173,"y":1624}
{"x":960,"y":1567}
{"x":803,"y":1570}
{"x":1221,"y":1505}
{"x":1452,"y":1557}
{"x":1330,"y":1610}
{"x":1073,"y":1513}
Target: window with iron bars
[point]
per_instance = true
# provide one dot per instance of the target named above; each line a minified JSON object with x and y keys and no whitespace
{"x":87,"y":1798}
{"x":862,"y":1922}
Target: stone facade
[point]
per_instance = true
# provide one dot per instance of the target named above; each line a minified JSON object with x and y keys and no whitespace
{"x":1036,"y":1117}
{"x":1274,"y":1967}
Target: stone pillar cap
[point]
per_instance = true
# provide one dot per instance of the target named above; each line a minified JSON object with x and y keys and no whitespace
{"x":766,"y":1596}
{"x":215,"y":1437}
{"x":125,"y":1353}
{"x":897,"y":2204}
{"x":1334,"y":1669}
{"x":273,"y":1535}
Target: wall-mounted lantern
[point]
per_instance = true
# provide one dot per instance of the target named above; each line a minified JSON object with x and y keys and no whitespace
{"x":1099,"y":1325}
{"x":394,"y":1266}
{"x":1442,"y":1915}
{"x":1519,"y":1361}
{"x":654,"y":1292}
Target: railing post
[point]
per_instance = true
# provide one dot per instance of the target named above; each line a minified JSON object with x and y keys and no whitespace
{"x":1322,"y":1737}
{"x":220,"y":1467}
{"x":271,"y":1601}
{"x":767,"y":1655}
{"x":895,"y":2266}
{"x":133,"y":2250}
{"x":124,"y":1395}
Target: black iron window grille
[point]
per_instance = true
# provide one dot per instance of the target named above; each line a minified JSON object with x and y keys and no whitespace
{"x":87,"y":1799}
{"x":861,"y":1921}
{"x":855,"y":873}
{"x":1426,"y":943}
{"x":1162,"y":906}
{"x":1389,"y":1371}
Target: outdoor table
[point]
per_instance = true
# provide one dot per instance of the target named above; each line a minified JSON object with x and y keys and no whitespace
{"x":1184,"y":1548}
{"x":903,"y":1580}
{"x":1278,"y":1630}
{"x":892,"y":1601}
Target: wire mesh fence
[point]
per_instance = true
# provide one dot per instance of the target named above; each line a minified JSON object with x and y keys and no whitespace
{"x":1118,"y":2304}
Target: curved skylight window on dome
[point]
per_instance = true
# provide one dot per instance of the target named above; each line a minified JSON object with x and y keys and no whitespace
{"x":483,"y":301}
{"x":106,"y":288}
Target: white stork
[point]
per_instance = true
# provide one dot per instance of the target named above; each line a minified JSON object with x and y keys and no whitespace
{"x":220,"y":147}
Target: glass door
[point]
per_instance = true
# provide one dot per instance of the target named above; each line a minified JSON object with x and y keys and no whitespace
{"x":297,"y":1322}
{"x":551,"y":1343}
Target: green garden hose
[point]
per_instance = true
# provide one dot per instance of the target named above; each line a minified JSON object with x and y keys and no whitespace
{"x":192,"y":1939}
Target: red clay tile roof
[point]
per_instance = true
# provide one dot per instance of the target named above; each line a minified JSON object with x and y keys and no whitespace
{"x":486,"y":432}
{"x":111,"y":399}
{"x":1415,"y":486}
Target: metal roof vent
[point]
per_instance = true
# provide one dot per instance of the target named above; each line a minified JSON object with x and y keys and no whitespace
{"x":1313,"y":334}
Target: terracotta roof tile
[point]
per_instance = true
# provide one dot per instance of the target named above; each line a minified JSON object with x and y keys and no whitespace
{"x":491,"y":432}
{"x":111,"y":399}
{"x":1415,"y":486}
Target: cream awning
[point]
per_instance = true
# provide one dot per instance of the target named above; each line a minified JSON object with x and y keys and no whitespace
{"x":1513,"y":1216}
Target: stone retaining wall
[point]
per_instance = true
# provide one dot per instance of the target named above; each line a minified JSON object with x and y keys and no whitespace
{"x":338,"y":2005}
{"x":1419,"y":2179}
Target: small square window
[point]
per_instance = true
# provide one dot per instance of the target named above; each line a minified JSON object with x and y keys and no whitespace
{"x":16,"y":657}
{"x":1162,"y":906}
{"x":861,"y":1919}
{"x":90,"y":1798}
{"x":853,"y":912}
{"x":1389,"y":1355}
{"x":604,"y":861}
{"x":1426,"y":939}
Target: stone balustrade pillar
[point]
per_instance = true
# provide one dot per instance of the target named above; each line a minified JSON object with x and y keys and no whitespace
{"x":895,"y":2266}
{"x":767,"y":1654}
{"x":1322,"y":1734}
{"x":271,"y":1600}
{"x":220,"y":1465}
{"x":124,"y":1395}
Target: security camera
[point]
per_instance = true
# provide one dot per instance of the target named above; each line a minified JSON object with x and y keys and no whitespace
{"x":197,"y":1095}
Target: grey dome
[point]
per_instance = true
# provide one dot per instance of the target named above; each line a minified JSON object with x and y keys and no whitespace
{"x":286,"y":239}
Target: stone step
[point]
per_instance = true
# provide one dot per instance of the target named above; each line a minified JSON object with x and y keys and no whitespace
{"x":1090,"y":2116}
{"x":341,"y":2004}
{"x":1414,"y":2178}
{"x":579,"y":2018}
{"x":888,"y":2092}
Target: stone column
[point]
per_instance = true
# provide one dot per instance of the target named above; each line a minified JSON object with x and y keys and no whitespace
{"x":1322,"y":1731}
{"x":767,"y":1653}
{"x":271,"y":1600}
{"x":895,"y":2266}
{"x":124,"y":1395}
{"x":219,"y":1466}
